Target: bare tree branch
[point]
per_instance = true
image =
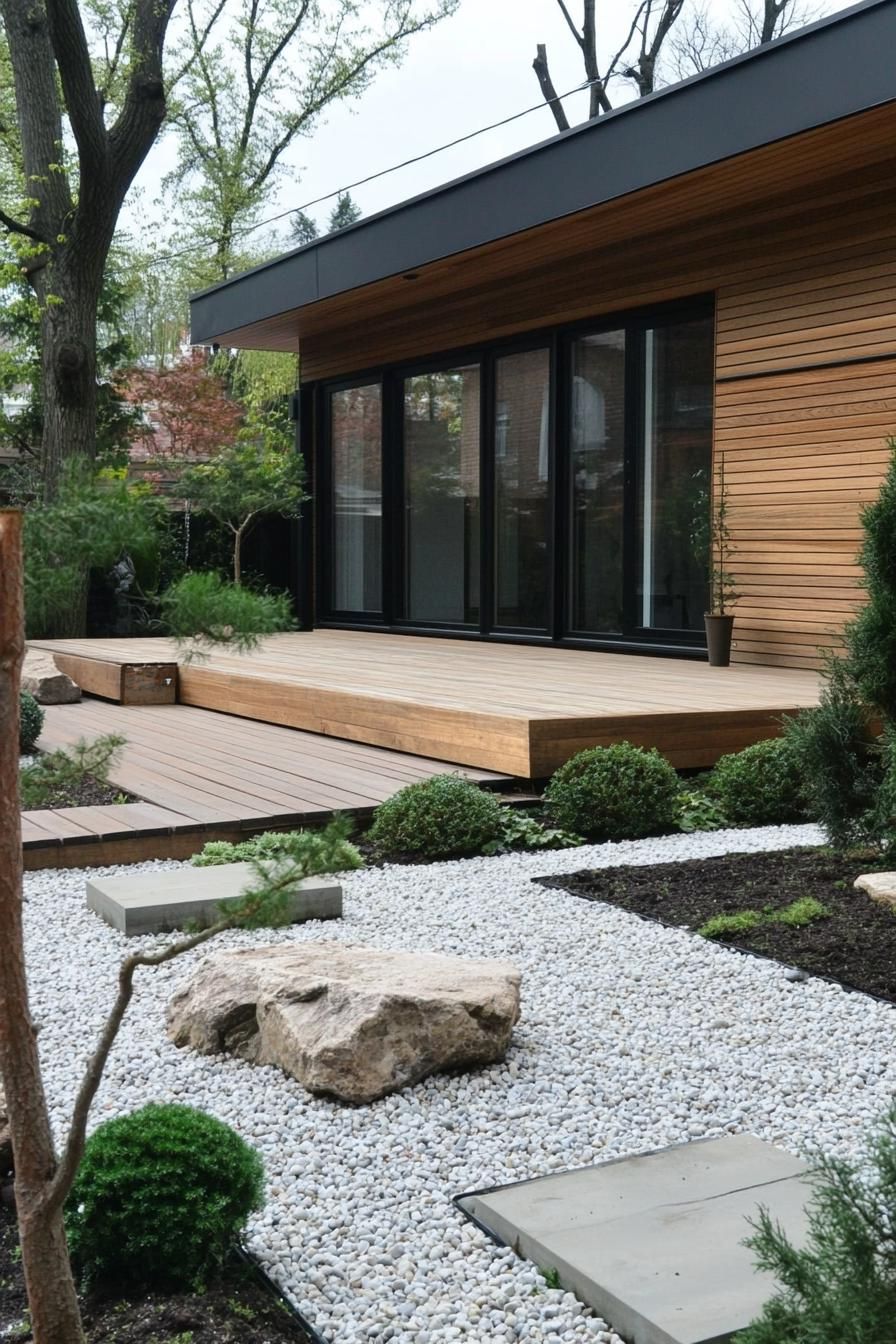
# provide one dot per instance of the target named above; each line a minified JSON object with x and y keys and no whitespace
{"x":82,"y":101}
{"x":16,"y":226}
{"x":540,"y":66}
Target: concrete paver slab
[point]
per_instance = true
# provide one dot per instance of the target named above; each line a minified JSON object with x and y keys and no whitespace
{"x":655,"y":1243}
{"x":159,"y":901}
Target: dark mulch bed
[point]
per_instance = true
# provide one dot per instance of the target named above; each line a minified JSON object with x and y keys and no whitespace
{"x":236,"y":1310}
{"x":855,"y":945}
{"x":88,"y":792}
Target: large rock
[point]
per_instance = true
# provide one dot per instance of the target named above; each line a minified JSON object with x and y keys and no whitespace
{"x":47,"y":684}
{"x":353,"y":1021}
{"x":881,"y":887}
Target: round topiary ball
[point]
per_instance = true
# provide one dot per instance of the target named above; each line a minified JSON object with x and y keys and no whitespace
{"x":444,"y":817}
{"x":614,"y":793}
{"x":160,"y":1197}
{"x":761,"y":785}
{"x":31,"y":721}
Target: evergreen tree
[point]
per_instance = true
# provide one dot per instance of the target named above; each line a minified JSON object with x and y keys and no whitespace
{"x":871,"y":637}
{"x":344,"y":212}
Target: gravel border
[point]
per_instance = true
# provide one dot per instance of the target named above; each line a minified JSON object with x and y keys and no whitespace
{"x":633,"y":1036}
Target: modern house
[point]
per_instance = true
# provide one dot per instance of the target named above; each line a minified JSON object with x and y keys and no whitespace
{"x":515,"y":389}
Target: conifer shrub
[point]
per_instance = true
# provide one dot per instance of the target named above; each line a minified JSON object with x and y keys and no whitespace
{"x":840,"y":1285}
{"x":843,"y":762}
{"x":31,"y":721}
{"x":615,"y":793}
{"x":761,"y":785}
{"x":160,"y":1197}
{"x":445,"y":817}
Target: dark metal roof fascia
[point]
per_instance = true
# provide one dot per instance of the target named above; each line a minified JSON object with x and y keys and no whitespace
{"x":823,"y":73}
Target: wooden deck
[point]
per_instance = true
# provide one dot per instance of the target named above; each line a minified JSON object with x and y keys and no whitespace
{"x":520,"y":710}
{"x":209,"y":776}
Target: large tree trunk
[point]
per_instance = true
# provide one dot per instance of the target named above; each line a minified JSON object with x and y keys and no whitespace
{"x":55,"y":1318}
{"x":68,"y":363}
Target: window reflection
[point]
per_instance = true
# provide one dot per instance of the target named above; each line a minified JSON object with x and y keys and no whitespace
{"x":441,"y":478}
{"x":522,"y":425}
{"x":357,"y":498}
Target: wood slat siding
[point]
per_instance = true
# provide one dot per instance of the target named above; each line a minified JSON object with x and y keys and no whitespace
{"x":805,"y":286}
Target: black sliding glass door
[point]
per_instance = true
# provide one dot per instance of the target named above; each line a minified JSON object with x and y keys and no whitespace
{"x":441,"y":497}
{"x":557,"y":488}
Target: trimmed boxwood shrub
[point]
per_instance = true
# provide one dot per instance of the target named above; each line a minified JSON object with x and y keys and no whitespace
{"x":445,"y":817}
{"x":160,"y":1197}
{"x":31,"y":721}
{"x":615,"y":793}
{"x":761,"y":785}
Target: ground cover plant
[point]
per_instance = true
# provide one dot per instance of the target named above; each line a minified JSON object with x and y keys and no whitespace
{"x":328,"y":850}
{"x":797,"y":906}
{"x":842,"y":1284}
{"x":614,"y":793}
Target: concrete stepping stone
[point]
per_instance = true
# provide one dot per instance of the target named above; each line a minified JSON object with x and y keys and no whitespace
{"x":158,"y":902}
{"x":655,"y":1243}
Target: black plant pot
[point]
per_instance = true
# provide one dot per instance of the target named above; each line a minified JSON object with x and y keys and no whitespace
{"x":718,"y":638}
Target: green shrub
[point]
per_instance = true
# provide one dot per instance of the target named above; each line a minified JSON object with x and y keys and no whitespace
{"x":323,"y":851}
{"x":444,"y":817}
{"x":842,"y":761}
{"x":761,"y":785}
{"x":614,"y":793}
{"x":50,"y":780}
{"x":31,"y":721}
{"x":841,"y":1284}
{"x":805,"y":910}
{"x":202,"y":611}
{"x":160,"y":1197}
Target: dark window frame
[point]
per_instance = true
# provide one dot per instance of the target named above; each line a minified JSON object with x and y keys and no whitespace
{"x":558,"y":339}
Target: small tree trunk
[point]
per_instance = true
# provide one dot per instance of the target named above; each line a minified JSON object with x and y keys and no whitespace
{"x":238,"y":556}
{"x":55,"y":1318}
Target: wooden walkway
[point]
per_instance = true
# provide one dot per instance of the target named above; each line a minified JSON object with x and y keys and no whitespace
{"x":518,"y":709}
{"x":206,"y":775}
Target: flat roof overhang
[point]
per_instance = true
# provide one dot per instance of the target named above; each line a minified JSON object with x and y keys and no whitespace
{"x":781,"y":105}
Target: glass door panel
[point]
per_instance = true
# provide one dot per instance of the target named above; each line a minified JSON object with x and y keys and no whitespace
{"x":441,"y":496}
{"x":597,"y":434}
{"x":522,"y":493}
{"x":676,"y":463}
{"x":357,"y":499}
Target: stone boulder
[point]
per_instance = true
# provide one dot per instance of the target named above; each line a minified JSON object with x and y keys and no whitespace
{"x":47,"y":684}
{"x":352,"y":1021}
{"x":881,"y":887}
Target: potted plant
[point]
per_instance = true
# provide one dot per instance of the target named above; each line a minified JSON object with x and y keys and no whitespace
{"x":722,"y":590}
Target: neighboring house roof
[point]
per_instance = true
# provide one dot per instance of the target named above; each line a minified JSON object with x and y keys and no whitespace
{"x":828,"y":71}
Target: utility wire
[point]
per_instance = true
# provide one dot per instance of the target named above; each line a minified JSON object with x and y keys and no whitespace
{"x":362,"y":181}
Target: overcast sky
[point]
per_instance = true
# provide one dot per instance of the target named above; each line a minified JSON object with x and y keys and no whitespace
{"x":470,"y":71}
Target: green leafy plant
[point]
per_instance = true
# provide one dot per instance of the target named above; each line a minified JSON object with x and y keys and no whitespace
{"x":322,"y":851}
{"x":723,"y":591}
{"x":520,"y":830}
{"x":805,"y":910}
{"x":698,"y":812}
{"x":440,"y":818}
{"x":202,"y":611}
{"x":761,"y":785}
{"x":160,"y":1197}
{"x":50,"y":780}
{"x":31,"y":721}
{"x":841,"y":1283}
{"x":614,"y":793}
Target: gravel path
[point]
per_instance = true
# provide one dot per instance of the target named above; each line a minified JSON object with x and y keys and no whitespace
{"x":632,"y":1037}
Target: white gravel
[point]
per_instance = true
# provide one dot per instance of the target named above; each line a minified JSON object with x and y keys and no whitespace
{"x":632,"y":1037}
